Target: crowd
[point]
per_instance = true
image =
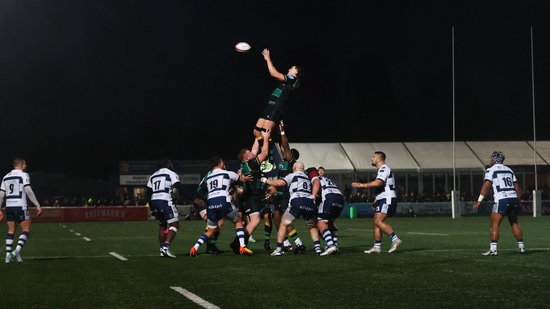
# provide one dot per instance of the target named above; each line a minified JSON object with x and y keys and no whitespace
{"x":63,"y":201}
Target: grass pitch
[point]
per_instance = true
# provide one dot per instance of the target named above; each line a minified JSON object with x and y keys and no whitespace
{"x":438,"y":265}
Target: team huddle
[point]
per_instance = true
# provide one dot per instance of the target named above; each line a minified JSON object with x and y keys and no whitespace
{"x":272,"y":186}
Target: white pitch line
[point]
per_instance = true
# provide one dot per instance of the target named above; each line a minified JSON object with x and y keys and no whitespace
{"x":118,"y":256}
{"x":469,"y":250}
{"x":86,"y":239}
{"x":427,"y":234}
{"x":58,"y":257}
{"x":78,"y":234}
{"x":71,"y":231}
{"x":64,"y":226}
{"x":193,"y":297}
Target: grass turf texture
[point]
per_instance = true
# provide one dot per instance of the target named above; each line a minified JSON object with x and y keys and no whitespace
{"x":438,"y":265}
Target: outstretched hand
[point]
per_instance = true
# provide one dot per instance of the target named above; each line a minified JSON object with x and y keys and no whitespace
{"x":281,"y":126}
{"x":356,"y":184}
{"x":266,"y":54}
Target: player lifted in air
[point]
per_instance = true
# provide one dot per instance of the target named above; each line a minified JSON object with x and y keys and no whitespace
{"x":506,"y":194}
{"x":16,"y":188}
{"x":385,"y":202}
{"x":275,"y":106}
{"x":330,"y":207}
{"x":219,"y":205}
{"x":159,"y":197}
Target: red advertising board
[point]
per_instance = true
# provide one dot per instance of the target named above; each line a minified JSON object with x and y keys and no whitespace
{"x":81,"y":214}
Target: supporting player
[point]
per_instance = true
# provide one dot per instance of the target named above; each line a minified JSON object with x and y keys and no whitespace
{"x":219,"y":206}
{"x":253,"y":191}
{"x":301,"y":204}
{"x":16,"y":188}
{"x":280,"y":196}
{"x":159,"y":197}
{"x":506,"y":194}
{"x":385,"y":202}
{"x":330,"y":207}
{"x":275,"y":106}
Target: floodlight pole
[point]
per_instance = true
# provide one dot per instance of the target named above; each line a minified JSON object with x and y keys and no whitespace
{"x":536,"y":193}
{"x":455,"y":196}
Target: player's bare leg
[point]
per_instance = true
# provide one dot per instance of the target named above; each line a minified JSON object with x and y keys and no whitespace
{"x":253,"y":221}
{"x":25,"y":226}
{"x":286,"y":220}
{"x":170,"y":234}
{"x":494,"y":233}
{"x":518,"y":233}
{"x":210,"y":231}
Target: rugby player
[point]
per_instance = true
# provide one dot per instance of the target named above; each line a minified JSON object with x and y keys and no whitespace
{"x":506,"y":194}
{"x":275,"y":106}
{"x":385,"y":202}
{"x":301,"y":204}
{"x":219,"y":206}
{"x":280,"y":196}
{"x":202,"y":190}
{"x":253,"y":191}
{"x":158,"y":195}
{"x":329,"y":209}
{"x":16,"y":188}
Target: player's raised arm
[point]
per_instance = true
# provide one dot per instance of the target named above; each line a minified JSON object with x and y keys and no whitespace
{"x":285,"y":146}
{"x":270,"y":67}
{"x":265,"y":147}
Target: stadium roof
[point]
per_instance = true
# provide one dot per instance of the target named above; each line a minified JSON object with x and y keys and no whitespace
{"x":421,"y":155}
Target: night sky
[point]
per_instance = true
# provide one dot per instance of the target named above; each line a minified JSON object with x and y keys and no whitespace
{"x":84,"y":84}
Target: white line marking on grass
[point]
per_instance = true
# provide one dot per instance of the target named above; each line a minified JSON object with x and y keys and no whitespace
{"x":78,"y":234}
{"x":118,"y":256}
{"x":86,"y":239}
{"x":71,"y":231}
{"x":58,"y":257}
{"x":464,"y":250}
{"x":193,"y":297}
{"x":427,"y":234}
{"x":64,"y":226}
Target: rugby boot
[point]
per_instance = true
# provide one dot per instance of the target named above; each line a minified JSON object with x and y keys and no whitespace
{"x":277,"y":253}
{"x":17,"y":256}
{"x":245,"y":251}
{"x":329,"y":251}
{"x":372,"y":250}
{"x":165,"y":251}
{"x":394,"y":245}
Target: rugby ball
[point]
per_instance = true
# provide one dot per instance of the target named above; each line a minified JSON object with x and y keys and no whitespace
{"x":242,"y":47}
